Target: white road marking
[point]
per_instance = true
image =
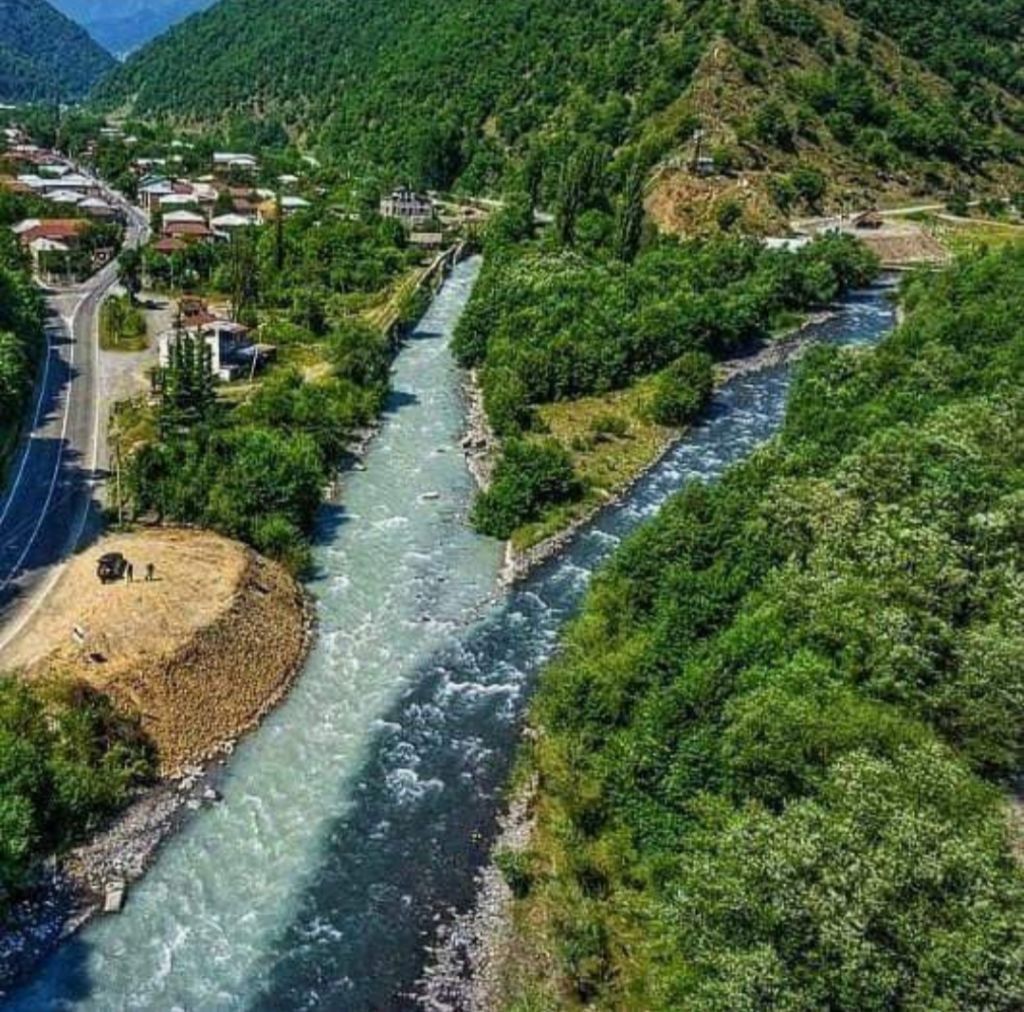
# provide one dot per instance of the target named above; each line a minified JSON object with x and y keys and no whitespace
{"x":50,"y":349}
{"x":60,"y":456}
{"x":58,"y":569}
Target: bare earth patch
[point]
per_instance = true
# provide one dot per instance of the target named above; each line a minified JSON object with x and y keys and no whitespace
{"x":201,"y":653}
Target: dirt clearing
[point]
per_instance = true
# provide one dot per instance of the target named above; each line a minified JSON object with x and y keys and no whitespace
{"x":200,"y":653}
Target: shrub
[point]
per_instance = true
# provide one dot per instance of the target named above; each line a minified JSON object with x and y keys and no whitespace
{"x":516,"y":867}
{"x":607,"y":424}
{"x":683,"y":389}
{"x":68,"y":759}
{"x":530,"y":476}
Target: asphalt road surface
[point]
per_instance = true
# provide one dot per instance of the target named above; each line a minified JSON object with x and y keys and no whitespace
{"x":51,"y":502}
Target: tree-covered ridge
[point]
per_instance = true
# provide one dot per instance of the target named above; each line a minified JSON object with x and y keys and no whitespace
{"x":44,"y":55}
{"x":770,"y":756}
{"x":462,"y":89}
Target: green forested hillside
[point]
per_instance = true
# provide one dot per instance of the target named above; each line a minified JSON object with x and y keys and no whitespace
{"x":450,"y":90}
{"x":770,"y":756}
{"x":45,"y":56}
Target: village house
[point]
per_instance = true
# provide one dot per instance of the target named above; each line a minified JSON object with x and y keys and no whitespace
{"x":226,"y":161}
{"x":70,"y":181}
{"x":151,"y":190}
{"x":187,"y":225}
{"x":65,"y":230}
{"x":46,"y":237}
{"x":54,"y":170}
{"x":99,"y":209}
{"x":178,"y":200}
{"x":233,"y":353}
{"x":167,"y":246}
{"x":224,"y":225}
{"x":66,"y":198}
{"x":407,"y":206}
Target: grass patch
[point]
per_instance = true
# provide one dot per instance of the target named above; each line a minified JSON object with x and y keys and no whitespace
{"x":611,"y":440}
{"x":969,"y":236}
{"x":122,"y":326}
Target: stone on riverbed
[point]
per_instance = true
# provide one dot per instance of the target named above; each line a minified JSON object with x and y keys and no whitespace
{"x":114,"y":896}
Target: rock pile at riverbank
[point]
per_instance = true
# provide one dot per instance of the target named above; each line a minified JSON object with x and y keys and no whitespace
{"x":480,"y":444}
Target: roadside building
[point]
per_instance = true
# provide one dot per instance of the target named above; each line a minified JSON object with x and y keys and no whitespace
{"x":66,"y":198}
{"x":99,"y":209}
{"x":64,"y":230}
{"x":52,"y":243}
{"x":233,"y":353}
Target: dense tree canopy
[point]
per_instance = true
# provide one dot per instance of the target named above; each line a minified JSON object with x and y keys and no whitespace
{"x":44,"y":55}
{"x":463,"y":90}
{"x":770,"y":752}
{"x":67,"y":760}
{"x":21,"y":330}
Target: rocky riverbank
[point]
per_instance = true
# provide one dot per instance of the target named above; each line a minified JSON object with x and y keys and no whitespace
{"x":466,"y":964}
{"x":480,"y":445}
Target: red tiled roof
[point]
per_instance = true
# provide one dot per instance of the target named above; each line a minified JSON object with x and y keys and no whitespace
{"x":168,"y":245}
{"x":55,"y":228}
{"x":194,"y":228}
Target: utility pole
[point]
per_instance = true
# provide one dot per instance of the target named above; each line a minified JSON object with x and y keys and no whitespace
{"x":117,"y":480}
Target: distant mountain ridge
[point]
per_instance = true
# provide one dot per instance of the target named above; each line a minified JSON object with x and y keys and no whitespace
{"x":45,"y":55}
{"x":121,"y":26}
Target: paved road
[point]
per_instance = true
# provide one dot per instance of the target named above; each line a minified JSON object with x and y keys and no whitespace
{"x":51,"y":502}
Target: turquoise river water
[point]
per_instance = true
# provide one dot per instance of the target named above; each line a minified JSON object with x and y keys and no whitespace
{"x":356,"y":816}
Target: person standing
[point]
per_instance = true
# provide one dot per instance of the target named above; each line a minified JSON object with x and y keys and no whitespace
{"x":150,"y":571}
{"x":130,"y":573}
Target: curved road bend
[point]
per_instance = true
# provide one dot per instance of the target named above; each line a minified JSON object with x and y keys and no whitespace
{"x":50,"y":503}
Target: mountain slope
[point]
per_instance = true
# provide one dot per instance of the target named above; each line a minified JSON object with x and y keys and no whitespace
{"x":44,"y":55}
{"x":452,"y":90}
{"x":121,"y":26}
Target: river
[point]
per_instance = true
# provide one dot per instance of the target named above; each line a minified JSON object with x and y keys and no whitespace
{"x":360,"y":810}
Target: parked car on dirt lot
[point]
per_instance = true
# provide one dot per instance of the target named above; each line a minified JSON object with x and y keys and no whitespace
{"x":111,"y":567}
